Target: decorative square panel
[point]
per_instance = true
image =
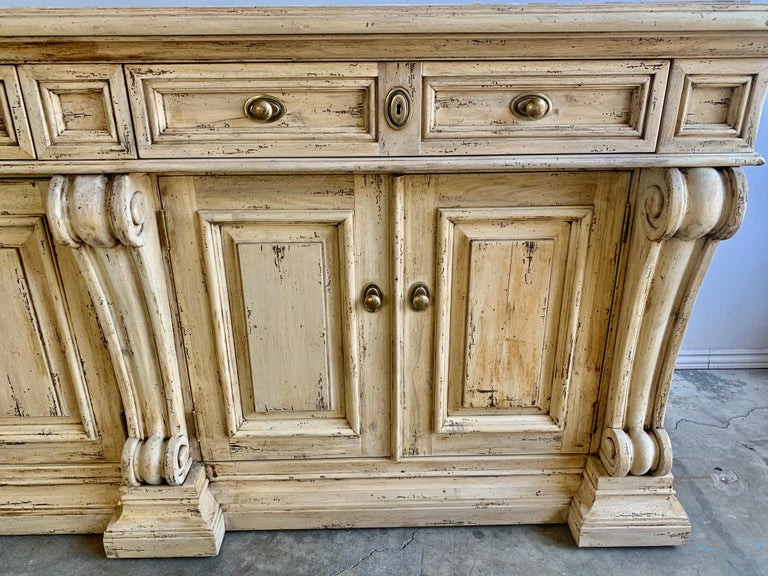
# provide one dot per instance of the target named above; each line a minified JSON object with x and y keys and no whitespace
{"x":15,"y":138}
{"x":78,"y":112}
{"x":713,"y":106}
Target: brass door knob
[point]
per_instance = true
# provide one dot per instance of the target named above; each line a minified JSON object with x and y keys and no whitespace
{"x":264,"y":109}
{"x":372,"y":298}
{"x":531,"y":106}
{"x":419,"y":297}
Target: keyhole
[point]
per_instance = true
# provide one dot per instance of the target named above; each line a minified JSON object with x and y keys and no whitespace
{"x":398,"y":108}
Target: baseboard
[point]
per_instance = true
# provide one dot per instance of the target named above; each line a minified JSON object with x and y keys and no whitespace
{"x":537,"y":498}
{"x":715,"y":359}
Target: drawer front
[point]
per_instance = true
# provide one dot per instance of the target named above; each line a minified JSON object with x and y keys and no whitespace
{"x":713,"y":106}
{"x":199,"y":110}
{"x":15,"y":139}
{"x":78,"y":111}
{"x":587,"y":107}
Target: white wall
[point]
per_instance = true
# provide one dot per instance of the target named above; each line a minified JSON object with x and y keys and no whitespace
{"x":731,"y":314}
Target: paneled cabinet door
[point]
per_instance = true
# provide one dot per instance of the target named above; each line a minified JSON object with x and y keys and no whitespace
{"x":59,"y":402}
{"x":506,"y":357}
{"x":285,"y":361}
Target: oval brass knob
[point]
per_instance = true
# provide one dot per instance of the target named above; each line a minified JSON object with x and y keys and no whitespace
{"x":264,"y":109}
{"x":531,"y":106}
{"x":372,"y":298}
{"x":419,"y":297}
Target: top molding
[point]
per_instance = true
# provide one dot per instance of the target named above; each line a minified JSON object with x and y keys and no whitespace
{"x":117,"y":23}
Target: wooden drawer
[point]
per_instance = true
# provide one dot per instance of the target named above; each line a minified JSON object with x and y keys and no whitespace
{"x":15,"y":139}
{"x":713,"y":105}
{"x":198,"y":110}
{"x":78,"y":111}
{"x":596,"y":106}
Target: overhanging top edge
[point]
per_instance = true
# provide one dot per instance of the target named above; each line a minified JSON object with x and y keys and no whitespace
{"x":437,"y":19}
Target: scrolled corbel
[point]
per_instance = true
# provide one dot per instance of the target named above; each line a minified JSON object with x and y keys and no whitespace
{"x":680,"y":217}
{"x":109,"y":223}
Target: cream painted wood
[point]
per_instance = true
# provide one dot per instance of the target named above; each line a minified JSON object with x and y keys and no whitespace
{"x":110,"y":226}
{"x":509,"y":253}
{"x":697,"y":17}
{"x":60,"y":426}
{"x":78,"y":111}
{"x":277,"y":257}
{"x":396,"y":165}
{"x":15,"y":137}
{"x":602,"y":106}
{"x":187,"y":313}
{"x":680,"y":217}
{"x":163,"y":521}
{"x":713,"y":106}
{"x":184,"y":110}
{"x":638,"y":511}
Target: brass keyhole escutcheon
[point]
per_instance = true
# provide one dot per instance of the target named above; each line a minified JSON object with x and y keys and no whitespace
{"x":531,"y":106}
{"x":398,"y":108}
{"x":264,"y":109}
{"x":419,"y":297}
{"x":372,"y":298}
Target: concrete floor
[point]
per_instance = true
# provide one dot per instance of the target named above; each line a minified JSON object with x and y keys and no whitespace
{"x":718,"y":422}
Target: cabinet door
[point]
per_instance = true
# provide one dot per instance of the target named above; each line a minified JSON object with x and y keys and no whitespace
{"x":521,"y":267}
{"x":284,"y":360}
{"x":59,"y":402}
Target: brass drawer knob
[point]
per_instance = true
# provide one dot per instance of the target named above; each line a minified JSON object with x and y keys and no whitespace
{"x":372,"y":298}
{"x":531,"y":106}
{"x":264,"y":109}
{"x":419,"y":297}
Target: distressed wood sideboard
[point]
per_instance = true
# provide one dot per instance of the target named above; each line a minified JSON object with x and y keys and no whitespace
{"x":332,"y":267}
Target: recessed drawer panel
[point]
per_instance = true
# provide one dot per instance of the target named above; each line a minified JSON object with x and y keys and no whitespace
{"x":15,"y":139}
{"x":713,"y":106}
{"x":254,"y":110}
{"x":78,"y":111}
{"x":542,"y":107}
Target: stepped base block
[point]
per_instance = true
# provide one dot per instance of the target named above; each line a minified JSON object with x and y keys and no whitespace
{"x":626,"y":511}
{"x":166,"y":521}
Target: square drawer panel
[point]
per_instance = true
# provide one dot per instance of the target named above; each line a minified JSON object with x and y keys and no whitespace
{"x":15,"y":139}
{"x":713,"y":106}
{"x":581,"y":107}
{"x":78,"y":111}
{"x":199,"y":110}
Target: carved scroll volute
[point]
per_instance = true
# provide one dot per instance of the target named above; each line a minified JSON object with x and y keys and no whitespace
{"x":680,"y":217}
{"x":109,"y":223}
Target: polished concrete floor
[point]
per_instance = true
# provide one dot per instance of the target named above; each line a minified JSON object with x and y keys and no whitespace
{"x":718,"y":422}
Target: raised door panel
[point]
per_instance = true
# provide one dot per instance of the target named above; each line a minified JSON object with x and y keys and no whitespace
{"x":284,"y":308}
{"x":58,"y":401}
{"x":284,"y":316}
{"x":522,"y":274}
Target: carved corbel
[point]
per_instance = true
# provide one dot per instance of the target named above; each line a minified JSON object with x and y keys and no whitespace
{"x":109,"y":223}
{"x":680,"y":217}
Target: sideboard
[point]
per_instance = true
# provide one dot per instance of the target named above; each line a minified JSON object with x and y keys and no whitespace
{"x":291,"y":268}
